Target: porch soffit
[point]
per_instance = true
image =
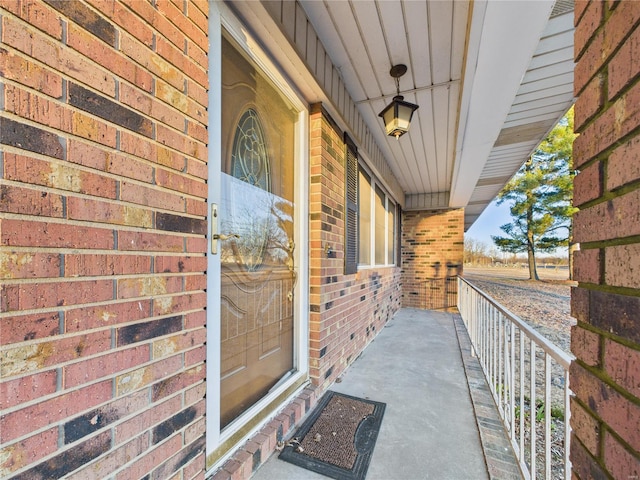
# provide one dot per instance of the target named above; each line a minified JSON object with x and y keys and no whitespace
{"x":491,"y":79}
{"x":487,"y":75}
{"x":544,"y":95}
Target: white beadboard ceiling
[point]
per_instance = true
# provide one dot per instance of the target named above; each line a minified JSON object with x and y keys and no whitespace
{"x":491,"y":78}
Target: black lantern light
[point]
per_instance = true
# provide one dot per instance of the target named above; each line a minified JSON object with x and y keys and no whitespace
{"x":397,"y":115}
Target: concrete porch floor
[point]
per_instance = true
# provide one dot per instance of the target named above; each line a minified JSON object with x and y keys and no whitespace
{"x":438,"y":421}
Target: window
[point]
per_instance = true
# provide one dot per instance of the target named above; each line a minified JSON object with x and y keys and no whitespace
{"x":380,"y":229}
{"x":249,"y":161}
{"x":377,"y":224}
{"x":391,"y":223}
{"x":364,"y":219}
{"x":371,"y":218}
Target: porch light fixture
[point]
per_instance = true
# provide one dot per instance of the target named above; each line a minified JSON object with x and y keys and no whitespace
{"x":397,"y":115}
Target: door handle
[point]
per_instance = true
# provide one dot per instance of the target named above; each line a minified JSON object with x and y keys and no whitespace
{"x":215,"y":236}
{"x":223,"y":236}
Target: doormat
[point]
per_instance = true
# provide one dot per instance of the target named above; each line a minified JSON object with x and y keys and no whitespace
{"x":337,"y":440}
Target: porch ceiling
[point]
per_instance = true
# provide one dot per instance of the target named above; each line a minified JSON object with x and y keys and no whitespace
{"x":491,"y":79}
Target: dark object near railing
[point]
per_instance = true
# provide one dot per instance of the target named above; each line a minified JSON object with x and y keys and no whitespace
{"x":440,"y":293}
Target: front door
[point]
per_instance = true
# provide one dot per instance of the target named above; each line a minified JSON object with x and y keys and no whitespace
{"x":256,"y":231}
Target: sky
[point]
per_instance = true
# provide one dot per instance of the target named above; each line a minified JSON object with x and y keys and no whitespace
{"x":489,"y":223}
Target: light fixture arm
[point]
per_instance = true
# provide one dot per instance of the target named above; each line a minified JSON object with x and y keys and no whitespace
{"x":396,"y":72}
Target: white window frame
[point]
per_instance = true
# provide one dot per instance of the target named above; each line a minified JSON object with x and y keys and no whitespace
{"x":372,"y":224}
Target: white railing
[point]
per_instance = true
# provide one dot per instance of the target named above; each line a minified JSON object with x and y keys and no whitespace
{"x":529,"y":379}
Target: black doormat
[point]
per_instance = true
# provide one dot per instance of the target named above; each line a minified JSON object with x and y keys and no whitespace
{"x":337,"y":440}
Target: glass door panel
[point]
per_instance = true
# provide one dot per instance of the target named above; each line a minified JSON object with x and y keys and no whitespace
{"x":256,"y":225}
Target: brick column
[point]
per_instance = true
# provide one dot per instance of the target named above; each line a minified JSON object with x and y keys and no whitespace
{"x":606,"y":341}
{"x":432,"y":252}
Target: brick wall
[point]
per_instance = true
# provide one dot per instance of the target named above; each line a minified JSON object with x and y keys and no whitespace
{"x":432,"y":249}
{"x":347,"y":311}
{"x":103,"y":188}
{"x":606,"y":341}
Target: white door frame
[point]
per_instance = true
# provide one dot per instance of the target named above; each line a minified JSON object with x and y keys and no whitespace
{"x":220,"y":16}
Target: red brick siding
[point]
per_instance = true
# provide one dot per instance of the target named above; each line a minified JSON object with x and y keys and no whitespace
{"x":103,"y":201}
{"x":253,"y":453}
{"x":347,"y":311}
{"x":606,"y":341}
{"x":432,"y":248}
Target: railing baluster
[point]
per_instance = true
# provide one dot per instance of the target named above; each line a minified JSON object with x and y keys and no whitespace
{"x":480,"y":335}
{"x":505,"y":367}
{"x":547,"y":415}
{"x":483,"y":339}
{"x":567,"y":426}
{"x":512,"y":383}
{"x":490,"y":362}
{"x":493,"y":352}
{"x":522,"y":412}
{"x":474,"y":309}
{"x":485,"y":361}
{"x":478,"y":316}
{"x":532,"y":404}
{"x":499,"y":352}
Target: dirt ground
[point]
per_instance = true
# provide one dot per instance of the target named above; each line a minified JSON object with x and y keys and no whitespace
{"x":545,"y":305}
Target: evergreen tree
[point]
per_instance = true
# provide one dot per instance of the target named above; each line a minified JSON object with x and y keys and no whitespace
{"x":541,"y":192}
